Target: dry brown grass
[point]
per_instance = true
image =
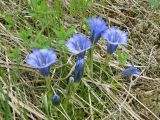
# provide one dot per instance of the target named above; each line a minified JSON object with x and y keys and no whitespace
{"x":138,"y":98}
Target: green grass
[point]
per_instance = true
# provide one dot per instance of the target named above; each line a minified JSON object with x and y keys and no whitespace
{"x":40,"y":24}
{"x":5,"y":107}
{"x":155,"y":3}
{"x":80,"y":7}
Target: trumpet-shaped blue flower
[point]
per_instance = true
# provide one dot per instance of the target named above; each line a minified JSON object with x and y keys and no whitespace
{"x":79,"y":68}
{"x":41,"y":59}
{"x":56,"y":100}
{"x":78,"y":44}
{"x":97,"y":27}
{"x":115,"y":37}
{"x":130,"y":71}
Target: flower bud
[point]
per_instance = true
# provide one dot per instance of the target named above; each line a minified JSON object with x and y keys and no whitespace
{"x":56,"y":100}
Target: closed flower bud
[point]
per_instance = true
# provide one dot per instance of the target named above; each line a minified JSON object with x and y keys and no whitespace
{"x":56,"y":100}
{"x":79,"y":69}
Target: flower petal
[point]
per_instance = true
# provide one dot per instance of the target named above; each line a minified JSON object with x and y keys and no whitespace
{"x":78,"y":44}
{"x":111,"y":48}
{"x":130,"y":71}
{"x":115,"y":36}
{"x":41,"y":59}
{"x":44,"y":71}
{"x":97,"y":27}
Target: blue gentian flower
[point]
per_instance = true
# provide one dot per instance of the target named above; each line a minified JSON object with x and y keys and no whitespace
{"x":42,"y":59}
{"x":130,"y":71}
{"x":78,"y":73}
{"x":97,"y":27}
{"x":56,"y":100}
{"x":78,"y":44}
{"x":114,"y":37}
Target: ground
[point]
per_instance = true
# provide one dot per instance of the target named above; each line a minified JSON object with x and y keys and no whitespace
{"x":25,"y":25}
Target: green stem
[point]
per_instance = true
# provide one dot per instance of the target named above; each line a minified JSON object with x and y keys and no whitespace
{"x":55,"y":111}
{"x":91,"y":61}
{"x":65,"y":66}
{"x":49,"y":95}
{"x":71,"y":90}
{"x":48,"y":86}
{"x":106,"y":62}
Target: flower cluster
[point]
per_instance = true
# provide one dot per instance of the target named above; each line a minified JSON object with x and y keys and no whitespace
{"x":78,"y":45}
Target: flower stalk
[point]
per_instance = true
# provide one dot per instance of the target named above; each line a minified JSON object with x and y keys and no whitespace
{"x":91,"y":61}
{"x":48,"y":87}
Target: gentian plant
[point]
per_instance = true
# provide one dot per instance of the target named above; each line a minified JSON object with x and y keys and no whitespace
{"x":97,"y":27}
{"x":78,"y":45}
{"x":130,"y":71}
{"x":56,"y":100}
{"x":41,"y":60}
{"x":79,"y":68}
{"x":114,"y":37}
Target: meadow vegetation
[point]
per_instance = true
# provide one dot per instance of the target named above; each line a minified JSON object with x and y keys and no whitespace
{"x":102,"y":93}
